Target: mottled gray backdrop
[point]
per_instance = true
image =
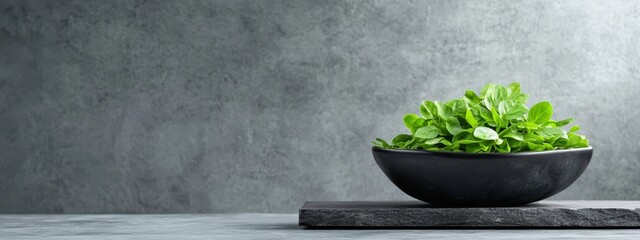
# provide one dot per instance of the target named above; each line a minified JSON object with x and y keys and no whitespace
{"x":257,"y":106}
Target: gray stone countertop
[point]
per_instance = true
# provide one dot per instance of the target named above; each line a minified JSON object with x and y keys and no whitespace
{"x":249,"y":226}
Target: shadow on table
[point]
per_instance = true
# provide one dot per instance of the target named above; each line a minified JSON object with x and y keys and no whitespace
{"x":275,"y":226}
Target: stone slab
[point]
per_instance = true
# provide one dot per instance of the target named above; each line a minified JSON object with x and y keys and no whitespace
{"x":414,"y":214}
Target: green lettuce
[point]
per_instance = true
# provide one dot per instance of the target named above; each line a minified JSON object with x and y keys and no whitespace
{"x":496,"y":120}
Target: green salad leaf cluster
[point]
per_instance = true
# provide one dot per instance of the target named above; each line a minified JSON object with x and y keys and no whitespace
{"x":497,"y":120}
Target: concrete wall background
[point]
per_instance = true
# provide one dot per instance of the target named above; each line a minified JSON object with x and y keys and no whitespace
{"x":257,"y":106}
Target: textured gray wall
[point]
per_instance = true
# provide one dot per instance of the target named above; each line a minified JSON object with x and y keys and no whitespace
{"x":254,"y":106}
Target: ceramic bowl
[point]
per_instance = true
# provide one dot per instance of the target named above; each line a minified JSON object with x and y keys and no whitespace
{"x":482,"y":179}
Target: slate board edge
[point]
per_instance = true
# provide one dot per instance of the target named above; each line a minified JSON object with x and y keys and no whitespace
{"x":354,"y":217}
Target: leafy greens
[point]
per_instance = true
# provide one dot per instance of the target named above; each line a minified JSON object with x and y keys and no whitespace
{"x":497,"y":120}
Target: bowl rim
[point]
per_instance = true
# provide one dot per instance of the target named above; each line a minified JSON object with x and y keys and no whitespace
{"x":527,"y":153}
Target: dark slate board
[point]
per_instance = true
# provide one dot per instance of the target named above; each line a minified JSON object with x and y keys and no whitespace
{"x":414,"y":214}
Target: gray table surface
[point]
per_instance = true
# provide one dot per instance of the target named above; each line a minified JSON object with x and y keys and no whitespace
{"x":248,"y":226}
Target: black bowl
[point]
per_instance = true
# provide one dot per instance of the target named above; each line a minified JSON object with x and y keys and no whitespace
{"x":482,"y":179}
